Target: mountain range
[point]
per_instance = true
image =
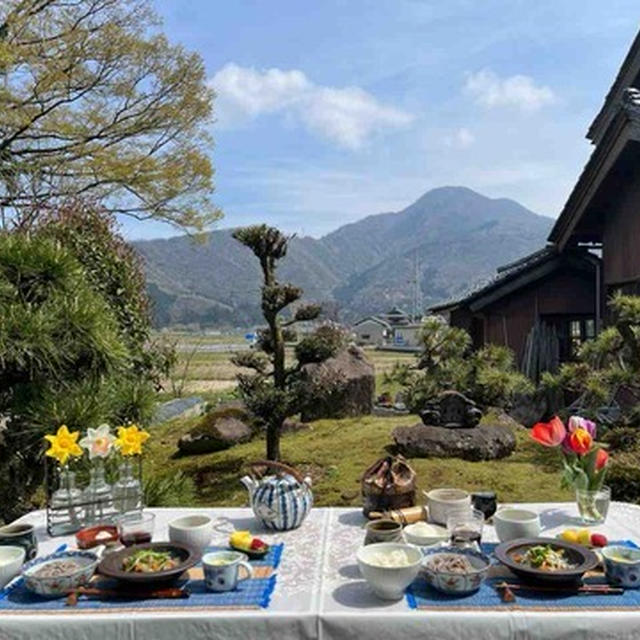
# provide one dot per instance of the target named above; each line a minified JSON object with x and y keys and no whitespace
{"x":451,"y":237}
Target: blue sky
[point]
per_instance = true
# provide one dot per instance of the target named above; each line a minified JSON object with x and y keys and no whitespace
{"x":331,"y":110}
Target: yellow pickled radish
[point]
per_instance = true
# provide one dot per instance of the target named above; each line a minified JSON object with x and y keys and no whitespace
{"x":570,"y":535}
{"x":240,"y":538}
{"x":584,"y":536}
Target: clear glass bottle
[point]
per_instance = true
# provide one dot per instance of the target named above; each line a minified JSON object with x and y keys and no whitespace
{"x":97,"y":495}
{"x":65,"y":501}
{"x":127,"y":492}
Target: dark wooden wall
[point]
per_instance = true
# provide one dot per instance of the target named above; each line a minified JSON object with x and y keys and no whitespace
{"x":508,"y":321}
{"x":621,"y":238}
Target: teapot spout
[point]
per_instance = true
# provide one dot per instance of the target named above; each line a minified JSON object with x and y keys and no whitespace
{"x":249,"y":484}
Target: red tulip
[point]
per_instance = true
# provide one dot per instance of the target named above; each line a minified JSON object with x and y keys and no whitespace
{"x":580,"y":441}
{"x":549,"y":434}
{"x":602,"y":457}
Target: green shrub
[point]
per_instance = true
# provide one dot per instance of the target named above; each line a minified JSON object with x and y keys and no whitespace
{"x":623,"y":477}
{"x":488,"y":376}
{"x":115,"y":271}
{"x":59,"y":348}
{"x":169,"y":490}
{"x":323,"y":343}
{"x":623,"y":439}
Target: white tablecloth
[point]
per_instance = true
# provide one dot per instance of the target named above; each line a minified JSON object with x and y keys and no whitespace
{"x":320,"y":594}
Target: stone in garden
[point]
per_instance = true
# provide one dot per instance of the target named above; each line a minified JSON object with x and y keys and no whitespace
{"x":451,"y":409}
{"x":291,"y":426}
{"x":484,"y":442}
{"x":351,"y":378}
{"x":529,"y":408}
{"x":220,"y":434}
{"x":178,"y":408}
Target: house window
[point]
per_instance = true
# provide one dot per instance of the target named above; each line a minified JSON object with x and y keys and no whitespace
{"x":366,"y":336}
{"x":580,"y":331}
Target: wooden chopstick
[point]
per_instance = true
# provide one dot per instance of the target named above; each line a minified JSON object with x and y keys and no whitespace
{"x":116,"y":594}
{"x":507,"y":589}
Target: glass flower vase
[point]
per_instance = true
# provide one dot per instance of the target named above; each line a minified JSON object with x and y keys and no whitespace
{"x":593,"y":506}
{"x":65,"y":502}
{"x":127,"y":491}
{"x":97,"y":495}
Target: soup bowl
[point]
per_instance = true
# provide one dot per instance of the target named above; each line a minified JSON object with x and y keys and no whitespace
{"x":54,"y":586}
{"x":511,"y":523}
{"x":443,"y":503}
{"x":388,"y":582}
{"x":193,"y":530}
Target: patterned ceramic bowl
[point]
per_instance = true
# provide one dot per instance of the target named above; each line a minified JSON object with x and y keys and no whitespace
{"x":54,"y":587}
{"x":452,"y":582}
{"x":622,"y":566}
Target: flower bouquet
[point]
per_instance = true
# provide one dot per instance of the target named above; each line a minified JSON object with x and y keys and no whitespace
{"x":585,"y":462}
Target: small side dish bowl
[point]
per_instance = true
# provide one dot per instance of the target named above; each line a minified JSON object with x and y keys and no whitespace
{"x":97,"y":535}
{"x":443,"y":503}
{"x":452,"y":582}
{"x":424,"y":534}
{"x":389,"y":582}
{"x":11,"y":559}
{"x":194,"y":530}
{"x":56,"y":586}
{"x":622,"y":566}
{"x":580,"y":558}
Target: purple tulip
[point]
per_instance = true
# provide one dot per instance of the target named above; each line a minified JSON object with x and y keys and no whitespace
{"x":577,"y":422}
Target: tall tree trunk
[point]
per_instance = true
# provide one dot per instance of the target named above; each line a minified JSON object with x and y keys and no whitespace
{"x":273,"y":441}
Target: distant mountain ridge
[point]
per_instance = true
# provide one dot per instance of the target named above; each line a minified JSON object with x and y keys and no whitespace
{"x":455,"y":235}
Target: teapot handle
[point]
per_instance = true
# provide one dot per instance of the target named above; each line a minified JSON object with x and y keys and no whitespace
{"x":280,"y":466}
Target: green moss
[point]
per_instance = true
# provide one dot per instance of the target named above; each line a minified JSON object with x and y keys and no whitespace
{"x":336,"y":452}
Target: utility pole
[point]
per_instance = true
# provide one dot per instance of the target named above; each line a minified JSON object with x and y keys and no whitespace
{"x":417,"y":290}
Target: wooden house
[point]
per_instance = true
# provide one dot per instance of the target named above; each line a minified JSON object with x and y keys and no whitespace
{"x":565,"y":286}
{"x":546,"y":287}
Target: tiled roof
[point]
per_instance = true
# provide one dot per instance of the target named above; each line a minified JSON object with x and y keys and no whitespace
{"x":503,"y":275}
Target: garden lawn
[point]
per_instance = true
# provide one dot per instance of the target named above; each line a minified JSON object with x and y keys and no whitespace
{"x":336,"y":452}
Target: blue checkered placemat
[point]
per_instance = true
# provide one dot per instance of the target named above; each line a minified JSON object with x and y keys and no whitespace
{"x":421,"y":595}
{"x":253,"y":593}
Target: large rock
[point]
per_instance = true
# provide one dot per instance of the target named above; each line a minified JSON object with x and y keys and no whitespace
{"x":351,"y":380}
{"x":221,"y":434}
{"x":484,"y":442}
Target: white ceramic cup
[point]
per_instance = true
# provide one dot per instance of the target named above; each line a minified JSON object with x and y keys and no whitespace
{"x":194,"y":530}
{"x":512,"y":523}
{"x":443,"y":503}
{"x":222,"y":569}
{"x":11,"y":560}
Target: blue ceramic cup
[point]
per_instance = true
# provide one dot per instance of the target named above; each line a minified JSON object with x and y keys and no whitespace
{"x":222,"y":570}
{"x":21,"y":535}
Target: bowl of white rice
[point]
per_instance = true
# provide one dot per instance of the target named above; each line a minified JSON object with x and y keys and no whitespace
{"x":389,"y":567}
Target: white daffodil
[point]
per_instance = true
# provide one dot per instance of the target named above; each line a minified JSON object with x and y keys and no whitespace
{"x":98,"y":442}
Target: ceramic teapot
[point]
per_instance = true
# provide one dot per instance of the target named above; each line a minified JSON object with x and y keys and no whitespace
{"x":280,"y":500}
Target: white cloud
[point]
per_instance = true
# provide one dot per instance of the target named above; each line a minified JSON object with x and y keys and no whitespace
{"x":348,"y":116}
{"x":489,"y":90}
{"x":460,"y":139}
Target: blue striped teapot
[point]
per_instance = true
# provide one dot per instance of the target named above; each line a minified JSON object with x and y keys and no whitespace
{"x":280,"y":500}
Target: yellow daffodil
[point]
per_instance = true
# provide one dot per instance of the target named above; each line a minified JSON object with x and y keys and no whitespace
{"x":130,"y":440}
{"x":63,"y":445}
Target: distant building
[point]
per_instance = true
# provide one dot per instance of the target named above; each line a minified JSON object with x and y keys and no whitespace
{"x":407,"y":335}
{"x":394,"y":328}
{"x":372,"y":331}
